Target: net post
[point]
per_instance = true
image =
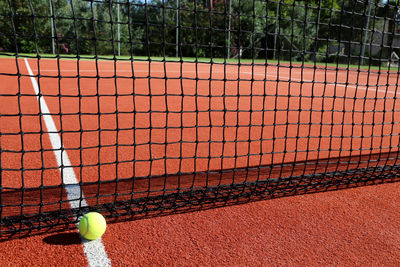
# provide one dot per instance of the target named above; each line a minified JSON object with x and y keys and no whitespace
{"x":365,"y":33}
{"x":118,"y":30}
{"x":52,"y":26}
{"x":177,"y":29}
{"x":229,"y":28}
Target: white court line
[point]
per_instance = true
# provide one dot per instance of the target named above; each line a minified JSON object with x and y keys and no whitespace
{"x":94,"y":250}
{"x":358,"y":87}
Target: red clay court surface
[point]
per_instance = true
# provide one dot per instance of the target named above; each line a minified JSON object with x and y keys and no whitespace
{"x":348,"y":227}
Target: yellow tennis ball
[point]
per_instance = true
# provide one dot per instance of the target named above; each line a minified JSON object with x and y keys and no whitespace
{"x":92,"y":225}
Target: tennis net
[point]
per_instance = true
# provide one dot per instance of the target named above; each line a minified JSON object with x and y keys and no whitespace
{"x":145,"y":107}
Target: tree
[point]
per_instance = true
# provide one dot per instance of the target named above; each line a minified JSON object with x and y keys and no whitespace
{"x":22,"y":26}
{"x":309,"y":30}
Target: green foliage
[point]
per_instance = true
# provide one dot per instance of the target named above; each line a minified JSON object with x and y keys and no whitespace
{"x":294,"y":29}
{"x":19,"y":26}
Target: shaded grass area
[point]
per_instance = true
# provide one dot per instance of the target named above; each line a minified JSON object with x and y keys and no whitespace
{"x":200,"y":60}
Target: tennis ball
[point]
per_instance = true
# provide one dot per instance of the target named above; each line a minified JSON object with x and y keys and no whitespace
{"x":92,"y":225}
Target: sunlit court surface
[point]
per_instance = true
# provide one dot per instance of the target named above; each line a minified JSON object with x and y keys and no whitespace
{"x":252,"y":157}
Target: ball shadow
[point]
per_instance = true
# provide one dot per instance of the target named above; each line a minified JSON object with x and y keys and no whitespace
{"x":63,"y":239}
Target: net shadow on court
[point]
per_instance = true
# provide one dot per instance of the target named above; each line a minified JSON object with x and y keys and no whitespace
{"x":174,"y":194}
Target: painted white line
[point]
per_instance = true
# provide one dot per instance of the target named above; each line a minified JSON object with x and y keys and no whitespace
{"x":370,"y":88}
{"x":94,"y":250}
{"x":358,"y":87}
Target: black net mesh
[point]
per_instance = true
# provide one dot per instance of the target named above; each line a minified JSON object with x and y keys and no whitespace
{"x":147,"y":107}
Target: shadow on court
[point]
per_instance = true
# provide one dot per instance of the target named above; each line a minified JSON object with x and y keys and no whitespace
{"x":45,"y":210}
